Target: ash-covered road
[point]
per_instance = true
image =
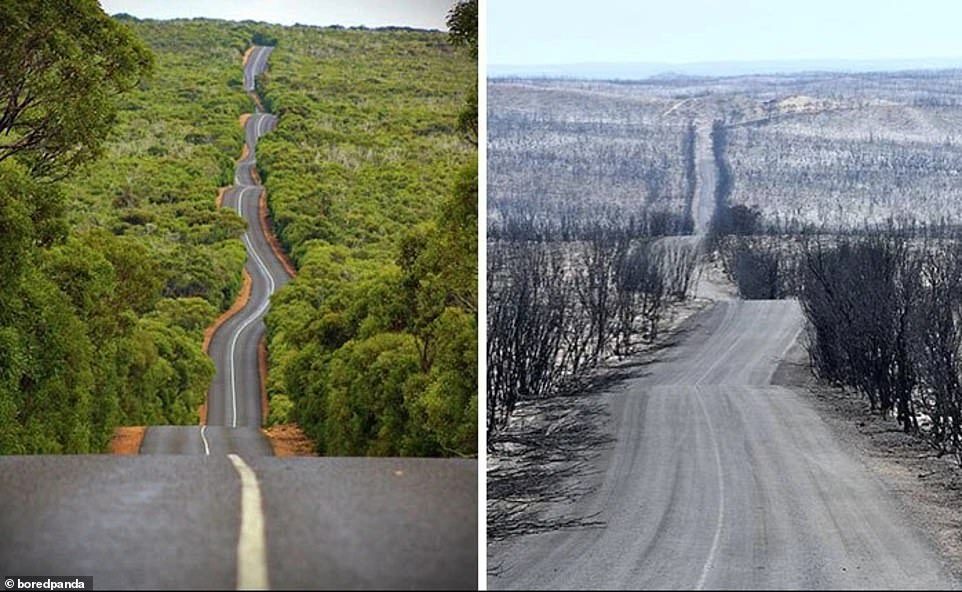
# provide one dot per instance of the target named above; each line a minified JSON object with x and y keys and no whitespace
{"x":718,"y":479}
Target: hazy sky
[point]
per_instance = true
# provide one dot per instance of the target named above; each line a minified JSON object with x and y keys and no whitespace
{"x":423,"y":14}
{"x":679,"y":31}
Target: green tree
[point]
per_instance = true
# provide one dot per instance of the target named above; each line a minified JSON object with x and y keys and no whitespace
{"x":46,"y":378}
{"x":366,"y":414}
{"x":87,"y":340}
{"x":61,"y":65}
{"x":463,"y":25}
{"x":463,"y":30}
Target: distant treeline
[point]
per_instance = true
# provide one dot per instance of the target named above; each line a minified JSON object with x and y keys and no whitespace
{"x":568,"y":154}
{"x":521,"y":222}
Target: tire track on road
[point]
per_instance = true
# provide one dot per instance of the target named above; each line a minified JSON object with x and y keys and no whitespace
{"x":720,"y":480}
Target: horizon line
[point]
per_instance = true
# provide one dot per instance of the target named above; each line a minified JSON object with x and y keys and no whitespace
{"x":710,"y":62}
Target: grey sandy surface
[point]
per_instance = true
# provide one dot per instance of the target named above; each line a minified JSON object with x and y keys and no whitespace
{"x":719,"y":479}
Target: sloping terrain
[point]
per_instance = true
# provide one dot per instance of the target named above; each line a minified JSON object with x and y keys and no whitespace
{"x":833,"y":150}
{"x":717,"y":479}
{"x":234,"y":400}
{"x":219,"y":513}
{"x":372,"y":187}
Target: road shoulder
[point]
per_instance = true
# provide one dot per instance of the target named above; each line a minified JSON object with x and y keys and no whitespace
{"x":545,"y":462}
{"x":926,"y":488}
{"x":127,"y":440}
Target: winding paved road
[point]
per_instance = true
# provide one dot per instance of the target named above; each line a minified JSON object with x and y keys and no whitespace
{"x":234,"y":398}
{"x":210,"y":509}
{"x":718,"y":479}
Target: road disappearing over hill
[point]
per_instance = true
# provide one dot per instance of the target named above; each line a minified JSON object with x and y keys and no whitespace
{"x":718,"y":479}
{"x":208,"y":507}
{"x":234,"y":398}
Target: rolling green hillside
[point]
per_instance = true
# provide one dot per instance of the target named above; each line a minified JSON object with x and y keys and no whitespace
{"x":116,"y":264}
{"x":373,"y":191}
{"x":125,"y":259}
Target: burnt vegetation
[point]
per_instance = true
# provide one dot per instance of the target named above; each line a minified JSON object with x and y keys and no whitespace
{"x":558,"y":309}
{"x":585,"y":181}
{"x":560,"y":312}
{"x":589,"y":202}
{"x":842,"y":191}
{"x":838,"y":190}
{"x":884,"y":312}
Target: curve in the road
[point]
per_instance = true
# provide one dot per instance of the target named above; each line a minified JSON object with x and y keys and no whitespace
{"x":218,"y":512}
{"x":234,"y":397}
{"x":718,"y":479}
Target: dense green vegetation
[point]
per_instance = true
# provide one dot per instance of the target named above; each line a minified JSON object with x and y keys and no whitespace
{"x":115,"y":258}
{"x":373,"y":190}
{"x":175,"y":141}
{"x":112,"y":266}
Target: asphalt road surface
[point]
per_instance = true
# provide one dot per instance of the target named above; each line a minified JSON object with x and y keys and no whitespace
{"x":705,"y":284}
{"x":173,"y":522}
{"x":256,"y":64}
{"x":703,"y":203}
{"x":234,"y":397}
{"x":717,"y":479}
{"x":211,"y":509}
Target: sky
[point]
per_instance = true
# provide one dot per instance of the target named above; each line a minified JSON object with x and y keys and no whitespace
{"x":685,"y":31}
{"x":421,"y":14}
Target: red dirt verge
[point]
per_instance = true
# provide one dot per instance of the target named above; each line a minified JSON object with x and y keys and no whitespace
{"x":271,"y":239}
{"x":242,"y":297}
{"x":239,"y":303}
{"x":219,"y":200}
{"x":262,"y":369}
{"x":126,"y":440}
{"x":287,"y":439}
{"x":257,"y":100}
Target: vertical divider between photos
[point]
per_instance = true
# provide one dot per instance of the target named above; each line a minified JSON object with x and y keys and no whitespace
{"x":482,"y":294}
